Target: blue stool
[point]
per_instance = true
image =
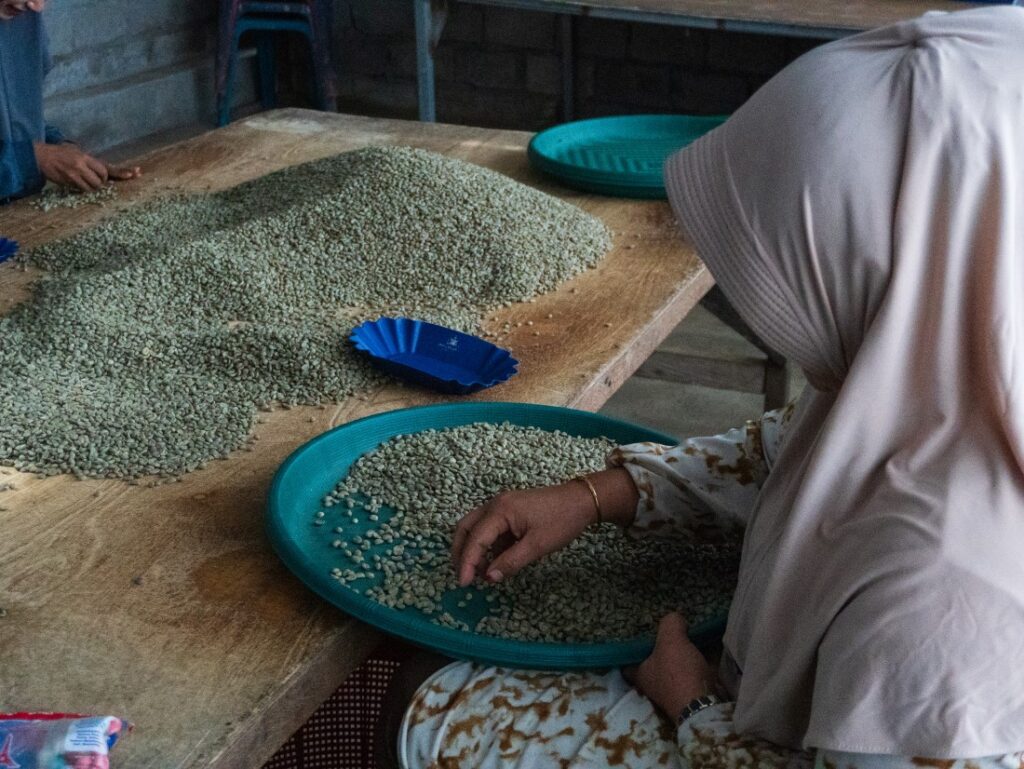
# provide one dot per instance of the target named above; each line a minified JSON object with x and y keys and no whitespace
{"x":311,"y":19}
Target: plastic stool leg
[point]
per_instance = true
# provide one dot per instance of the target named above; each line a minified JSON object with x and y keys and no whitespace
{"x":268,"y":69}
{"x":320,"y":89}
{"x":224,"y":108}
{"x":227,"y":18}
{"x":323,"y":69}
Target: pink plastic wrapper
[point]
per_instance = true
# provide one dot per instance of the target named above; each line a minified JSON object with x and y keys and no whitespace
{"x":58,"y":740}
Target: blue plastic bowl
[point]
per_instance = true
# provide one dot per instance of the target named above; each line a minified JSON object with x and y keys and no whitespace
{"x":8,"y":248}
{"x":440,"y":358}
{"x":315,"y":468}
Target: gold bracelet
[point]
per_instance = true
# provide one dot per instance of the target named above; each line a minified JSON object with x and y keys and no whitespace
{"x":593,"y":492}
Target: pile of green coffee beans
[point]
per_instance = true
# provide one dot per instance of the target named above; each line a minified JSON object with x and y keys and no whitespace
{"x":155,"y":337}
{"x":65,"y":197}
{"x":607,"y":585}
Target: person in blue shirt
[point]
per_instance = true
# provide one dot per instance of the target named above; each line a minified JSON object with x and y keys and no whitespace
{"x":31,"y":152}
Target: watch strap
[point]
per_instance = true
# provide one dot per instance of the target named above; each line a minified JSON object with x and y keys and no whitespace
{"x":696,"y":705}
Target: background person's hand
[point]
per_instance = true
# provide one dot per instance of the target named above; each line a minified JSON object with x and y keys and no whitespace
{"x":68,"y":166}
{"x":520,"y":527}
{"x":676,"y":673}
{"x":11,"y":8}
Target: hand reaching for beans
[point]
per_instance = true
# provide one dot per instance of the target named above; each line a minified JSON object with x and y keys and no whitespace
{"x":518,"y":528}
{"x":66,"y":165}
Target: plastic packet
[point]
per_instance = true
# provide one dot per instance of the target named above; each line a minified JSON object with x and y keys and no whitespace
{"x":58,"y":740}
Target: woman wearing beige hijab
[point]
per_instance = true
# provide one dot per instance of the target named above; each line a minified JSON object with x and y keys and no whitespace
{"x":864,"y":213}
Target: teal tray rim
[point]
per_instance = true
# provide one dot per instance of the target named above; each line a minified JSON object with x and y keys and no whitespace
{"x":608,"y":182}
{"x":420,"y":631}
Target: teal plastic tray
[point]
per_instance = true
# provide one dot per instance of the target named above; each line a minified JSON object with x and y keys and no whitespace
{"x":315,"y":468}
{"x":621,"y":156}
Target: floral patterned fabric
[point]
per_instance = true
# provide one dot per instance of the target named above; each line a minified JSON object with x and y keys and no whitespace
{"x":475,"y":716}
{"x":706,"y":486}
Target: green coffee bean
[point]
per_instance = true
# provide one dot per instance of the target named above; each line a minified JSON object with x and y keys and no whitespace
{"x":158,"y":336}
{"x":608,"y":585}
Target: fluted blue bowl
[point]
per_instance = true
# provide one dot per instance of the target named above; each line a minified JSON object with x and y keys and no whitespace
{"x":437,"y":357}
{"x":8,"y":248}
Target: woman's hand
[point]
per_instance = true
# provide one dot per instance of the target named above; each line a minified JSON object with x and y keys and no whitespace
{"x":68,"y":166}
{"x":676,"y":673}
{"x":520,"y":527}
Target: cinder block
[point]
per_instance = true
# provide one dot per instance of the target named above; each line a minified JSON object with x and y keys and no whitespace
{"x":459,"y":103}
{"x":92,"y":67}
{"x":342,"y":17}
{"x":402,"y":58}
{"x":489,"y":69}
{"x":382,"y":17}
{"x":465,"y":24}
{"x":668,"y":45}
{"x":88,"y":24}
{"x":584,"y":72}
{"x":544,"y":73}
{"x":521,"y":29}
{"x":746,"y":54}
{"x":101,"y":118}
{"x":640,"y":84}
{"x":603,"y":107}
{"x":708,"y":93}
{"x":360,"y":94}
{"x":602,"y":38}
{"x":402,"y":61}
{"x":360,"y":54}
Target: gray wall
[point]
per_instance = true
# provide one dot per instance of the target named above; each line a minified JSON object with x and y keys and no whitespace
{"x":126,"y":69}
{"x":500,"y":67}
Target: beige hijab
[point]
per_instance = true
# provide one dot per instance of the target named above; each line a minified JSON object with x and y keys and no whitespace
{"x":864,"y":212}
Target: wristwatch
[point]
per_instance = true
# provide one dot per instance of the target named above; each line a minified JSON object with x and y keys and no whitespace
{"x":696,"y":706}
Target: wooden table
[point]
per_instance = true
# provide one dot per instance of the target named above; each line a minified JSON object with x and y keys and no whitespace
{"x":824,"y":19}
{"x":166,"y":605}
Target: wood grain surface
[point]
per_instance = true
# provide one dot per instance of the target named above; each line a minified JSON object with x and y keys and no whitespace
{"x":166,"y":605}
{"x":849,"y":15}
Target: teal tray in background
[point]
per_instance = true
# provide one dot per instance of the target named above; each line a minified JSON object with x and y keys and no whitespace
{"x":315,"y":468}
{"x":620,"y":156}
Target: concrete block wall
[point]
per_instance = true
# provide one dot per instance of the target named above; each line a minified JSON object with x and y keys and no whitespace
{"x":501,"y":67}
{"x":127,"y":69}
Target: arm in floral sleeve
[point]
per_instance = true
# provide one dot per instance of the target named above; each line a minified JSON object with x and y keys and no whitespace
{"x":708,"y":740}
{"x":834,"y":759}
{"x":707,"y":486}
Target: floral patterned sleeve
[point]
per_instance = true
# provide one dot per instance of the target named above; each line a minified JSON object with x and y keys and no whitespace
{"x":705,"y":486}
{"x":708,"y":740}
